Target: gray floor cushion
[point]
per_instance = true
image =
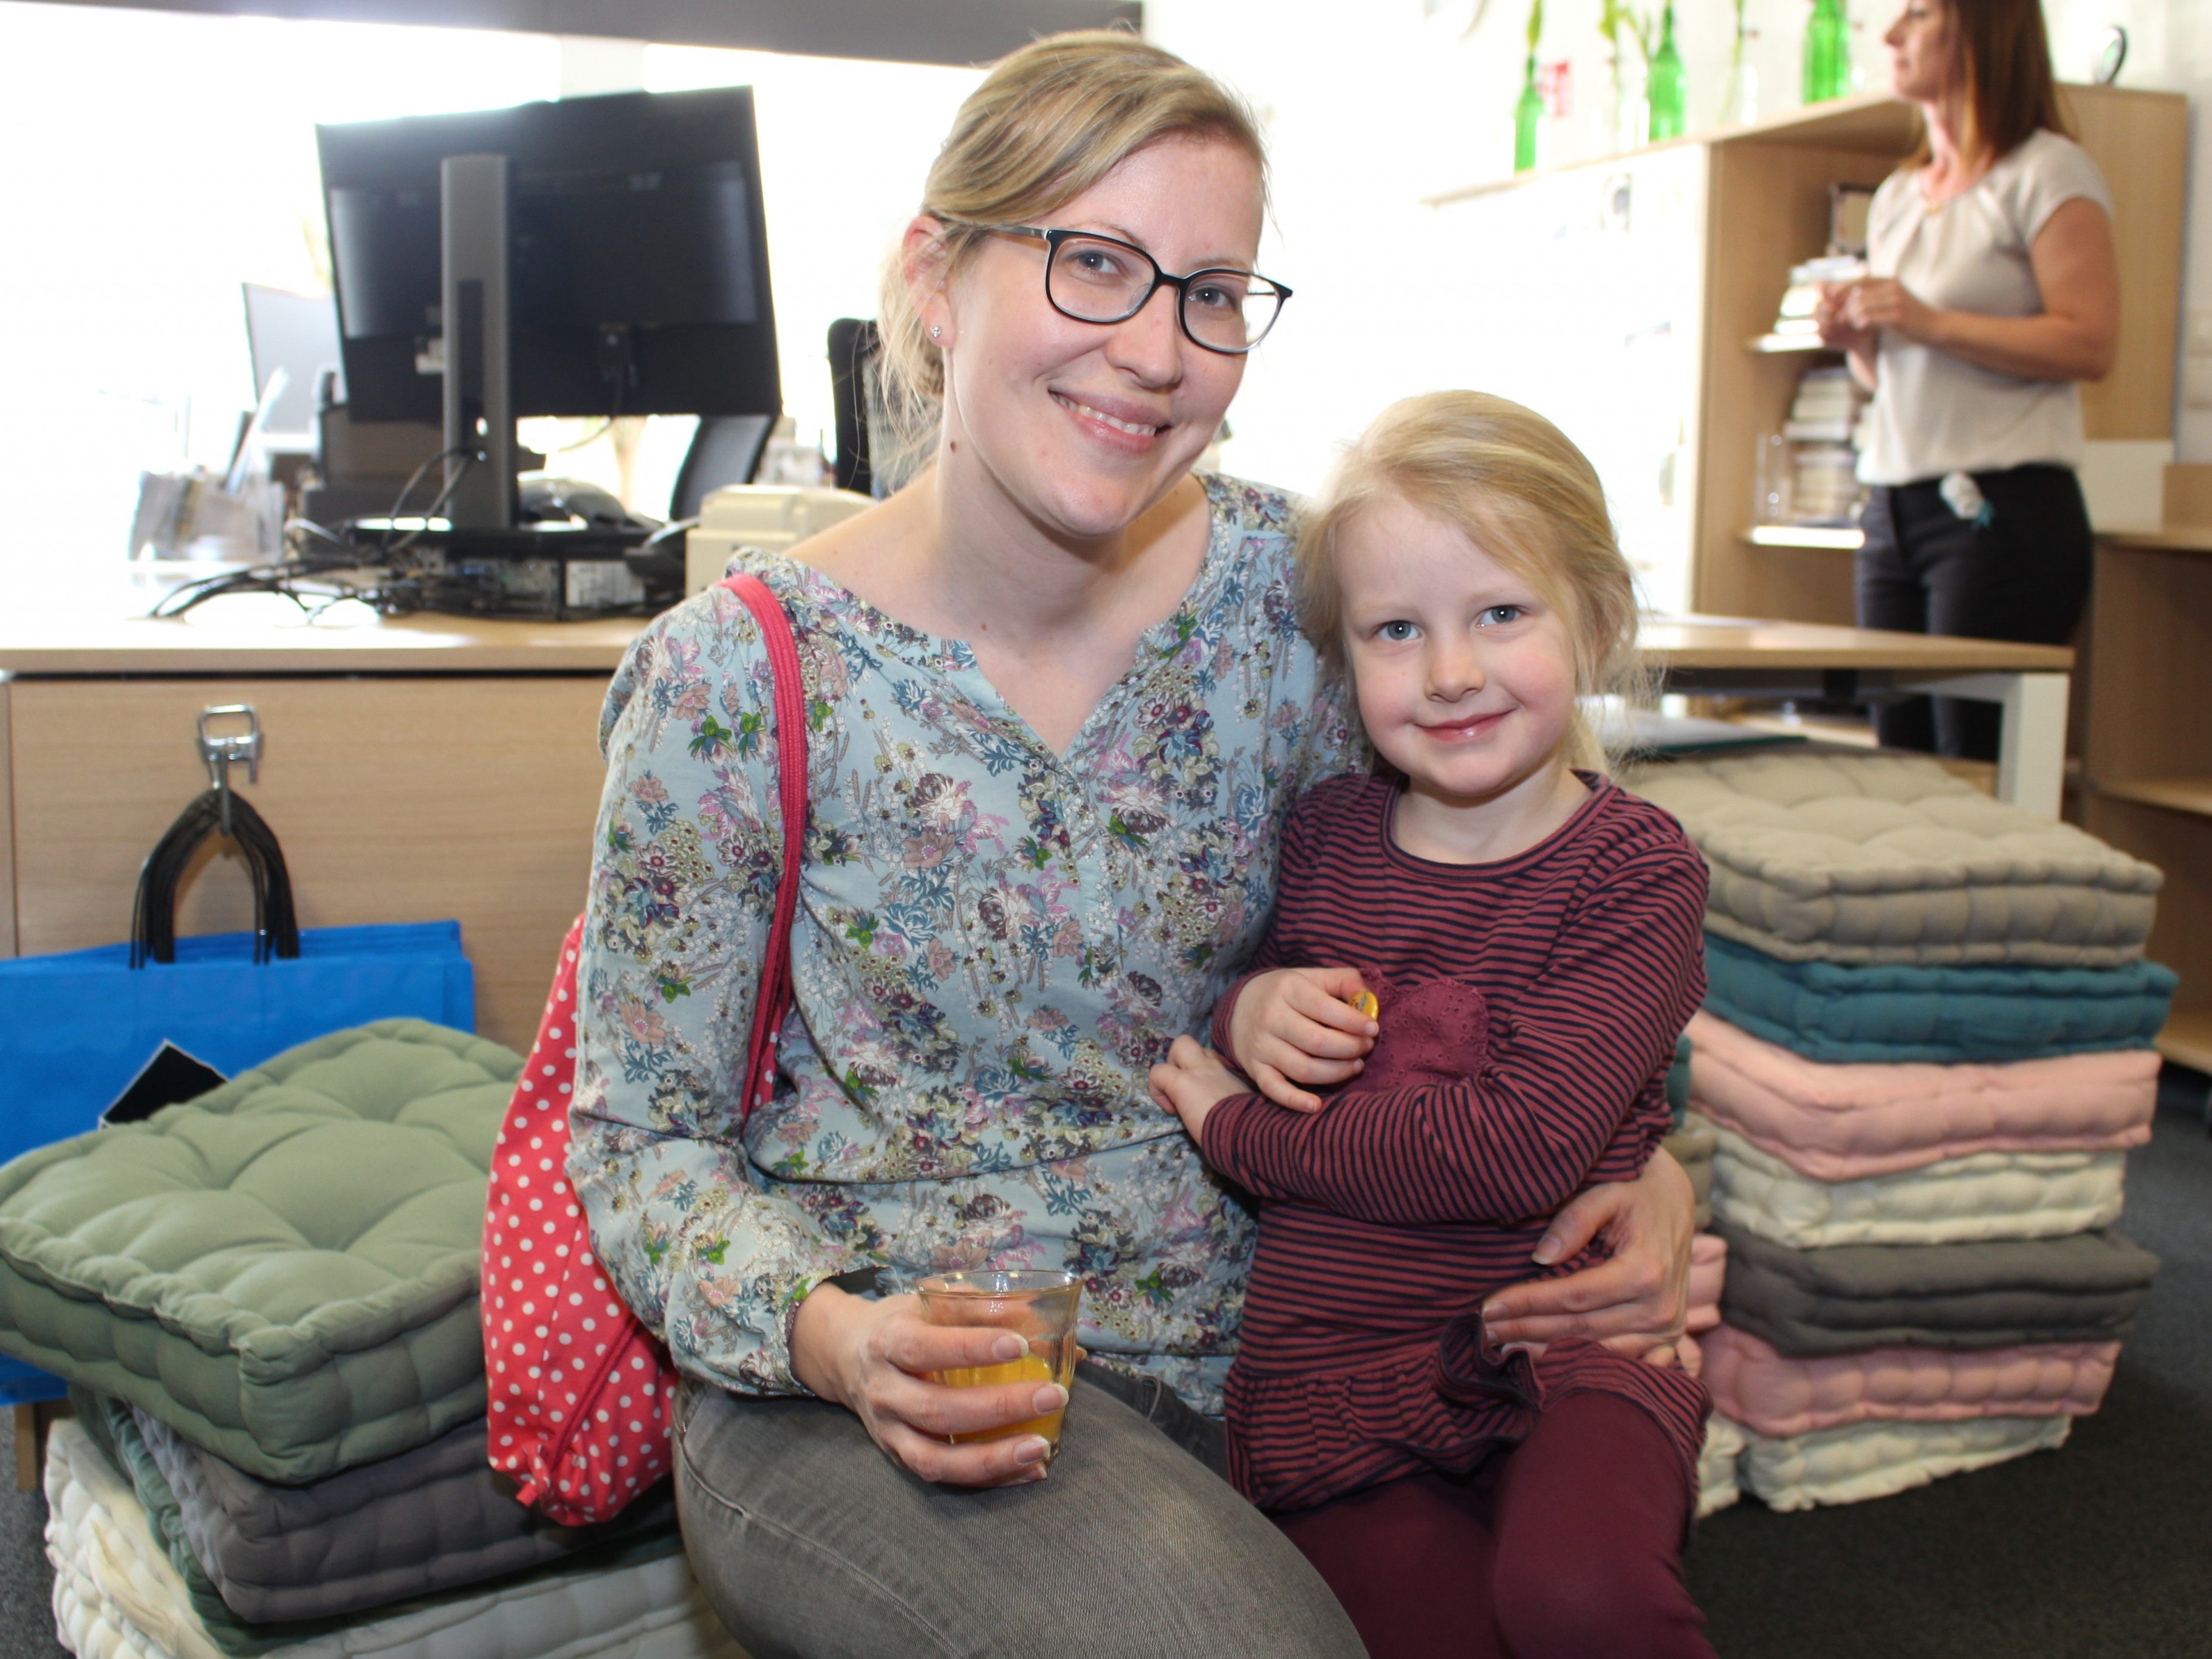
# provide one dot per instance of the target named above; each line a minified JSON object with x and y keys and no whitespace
{"x":117,"y":1594}
{"x":433,"y":1519}
{"x":283,"y":1270}
{"x":1890,"y":859}
{"x":2086,"y":1287}
{"x":113,"y":1429}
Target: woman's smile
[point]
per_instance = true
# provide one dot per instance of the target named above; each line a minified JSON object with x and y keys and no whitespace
{"x":1116,"y":422}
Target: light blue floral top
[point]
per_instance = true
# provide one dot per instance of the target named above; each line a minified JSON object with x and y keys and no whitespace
{"x":994,"y":943}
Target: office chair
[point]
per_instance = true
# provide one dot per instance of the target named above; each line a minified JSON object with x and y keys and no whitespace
{"x":725,"y":450}
{"x":854,"y":346}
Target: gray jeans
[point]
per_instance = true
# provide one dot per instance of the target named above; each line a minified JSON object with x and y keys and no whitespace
{"x":808,"y":1541}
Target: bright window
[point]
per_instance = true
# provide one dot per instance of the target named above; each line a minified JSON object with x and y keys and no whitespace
{"x":151,"y":162}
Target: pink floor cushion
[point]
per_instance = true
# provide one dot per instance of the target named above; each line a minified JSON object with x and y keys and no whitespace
{"x":1778,"y":1397}
{"x":1708,"y":1270}
{"x":1844,"y":1123}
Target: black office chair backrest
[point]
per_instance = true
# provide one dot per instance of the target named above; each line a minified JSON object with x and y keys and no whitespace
{"x":725,"y":450}
{"x":854,"y":347}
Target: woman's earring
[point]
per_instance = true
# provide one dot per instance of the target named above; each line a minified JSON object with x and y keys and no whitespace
{"x":934,"y":332}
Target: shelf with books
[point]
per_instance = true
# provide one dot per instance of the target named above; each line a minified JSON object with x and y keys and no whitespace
{"x":1833,"y":539}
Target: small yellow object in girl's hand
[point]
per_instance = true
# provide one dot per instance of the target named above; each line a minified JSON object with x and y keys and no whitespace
{"x":1367,"y":1005}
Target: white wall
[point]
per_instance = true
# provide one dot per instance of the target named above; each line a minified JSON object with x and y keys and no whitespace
{"x":1367,"y":116}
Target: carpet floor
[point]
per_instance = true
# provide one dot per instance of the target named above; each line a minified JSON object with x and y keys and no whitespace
{"x":2101,"y":1550}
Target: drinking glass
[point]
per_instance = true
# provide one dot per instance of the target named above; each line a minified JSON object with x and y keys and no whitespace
{"x":1039,"y":1305}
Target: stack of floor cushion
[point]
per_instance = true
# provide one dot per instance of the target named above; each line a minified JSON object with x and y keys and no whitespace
{"x":266,"y":1303}
{"x":1692,"y":1143}
{"x":1924,"y":1052}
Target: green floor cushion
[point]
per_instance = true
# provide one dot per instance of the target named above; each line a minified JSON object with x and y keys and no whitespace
{"x":283,"y":1270}
{"x":1893,"y":1013}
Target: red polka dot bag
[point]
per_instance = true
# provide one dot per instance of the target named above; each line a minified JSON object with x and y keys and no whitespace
{"x":580,"y":1391}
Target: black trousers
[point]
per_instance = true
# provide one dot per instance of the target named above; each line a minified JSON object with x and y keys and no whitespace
{"x":2024,"y":575}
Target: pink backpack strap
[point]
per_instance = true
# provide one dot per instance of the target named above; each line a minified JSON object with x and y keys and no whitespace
{"x":773,"y":1005}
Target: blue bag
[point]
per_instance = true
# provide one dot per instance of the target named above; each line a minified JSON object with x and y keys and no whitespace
{"x":77,"y":1028}
{"x":74,"y":1028}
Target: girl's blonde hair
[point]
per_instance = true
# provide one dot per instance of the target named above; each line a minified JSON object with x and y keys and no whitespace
{"x":1048,"y":122}
{"x":1515,"y":486}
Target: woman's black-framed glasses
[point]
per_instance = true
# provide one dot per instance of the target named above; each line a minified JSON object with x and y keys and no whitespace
{"x":1103,"y":279}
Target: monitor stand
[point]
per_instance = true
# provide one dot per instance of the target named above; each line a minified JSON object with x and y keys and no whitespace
{"x":479,"y":402}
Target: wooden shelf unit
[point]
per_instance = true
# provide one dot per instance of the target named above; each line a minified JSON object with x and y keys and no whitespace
{"x":1758,"y":196}
{"x":1768,"y":208}
{"x":2147,"y":742}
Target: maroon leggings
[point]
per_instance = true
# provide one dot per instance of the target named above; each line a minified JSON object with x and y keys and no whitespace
{"x":1568,"y":1546}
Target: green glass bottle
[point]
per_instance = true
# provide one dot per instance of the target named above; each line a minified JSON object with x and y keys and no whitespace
{"x":1670,"y":107}
{"x":1828,"y":52}
{"x":1526,"y":115}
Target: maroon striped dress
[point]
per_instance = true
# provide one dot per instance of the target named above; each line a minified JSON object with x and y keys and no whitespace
{"x":1529,"y":1009}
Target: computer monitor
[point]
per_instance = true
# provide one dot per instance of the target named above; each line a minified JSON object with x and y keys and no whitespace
{"x":635,"y":259}
{"x":298,"y":334}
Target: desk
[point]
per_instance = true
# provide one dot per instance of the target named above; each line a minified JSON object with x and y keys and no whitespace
{"x":439,"y":766}
{"x":1729,"y":656}
{"x":416,"y":768}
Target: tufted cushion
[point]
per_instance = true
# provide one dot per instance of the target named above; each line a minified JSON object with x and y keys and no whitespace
{"x":283,"y":1270}
{"x":1891,"y":1012}
{"x":1777,"y":1396}
{"x":1878,"y":1460}
{"x":1717,"y":1483}
{"x":1844,"y":1122}
{"x":117,"y":1594}
{"x":429,"y":1520}
{"x":1691,"y":1146}
{"x":2085,"y":1288}
{"x":1883,"y":858}
{"x":1989,"y":1195}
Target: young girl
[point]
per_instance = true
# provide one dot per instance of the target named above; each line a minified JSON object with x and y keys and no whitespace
{"x":1490,"y":955}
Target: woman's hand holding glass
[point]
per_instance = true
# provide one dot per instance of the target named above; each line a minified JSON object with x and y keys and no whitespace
{"x":872,"y":1357}
{"x":1297,"y":1025}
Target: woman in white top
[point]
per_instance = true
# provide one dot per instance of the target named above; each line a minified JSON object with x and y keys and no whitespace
{"x":1993,"y":292}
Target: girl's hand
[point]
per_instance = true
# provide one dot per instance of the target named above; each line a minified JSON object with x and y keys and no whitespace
{"x":1297,"y":1025}
{"x":1880,"y":302}
{"x":872,"y":1357}
{"x":1635,"y":1302}
{"x":1191,"y":1082}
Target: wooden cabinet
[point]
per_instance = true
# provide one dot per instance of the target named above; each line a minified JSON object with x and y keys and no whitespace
{"x":1622,"y":296}
{"x":398,"y":795}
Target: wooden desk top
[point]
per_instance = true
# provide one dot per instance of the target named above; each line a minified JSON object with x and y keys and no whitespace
{"x":94,"y":634}
{"x":263,"y":634}
{"x":2187,"y":540}
{"x":1741,"y":643}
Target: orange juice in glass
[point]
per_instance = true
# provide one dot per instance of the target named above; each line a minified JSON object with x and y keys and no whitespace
{"x":1039,"y":1305}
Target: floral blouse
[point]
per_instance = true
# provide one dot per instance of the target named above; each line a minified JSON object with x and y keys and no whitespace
{"x":993,"y":943}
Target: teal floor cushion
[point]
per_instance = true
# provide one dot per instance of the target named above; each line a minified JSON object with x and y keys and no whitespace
{"x":283,"y":1270}
{"x":1896,"y":1012}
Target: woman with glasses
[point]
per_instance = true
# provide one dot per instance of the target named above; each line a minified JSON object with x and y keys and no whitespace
{"x":1060,"y":703}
